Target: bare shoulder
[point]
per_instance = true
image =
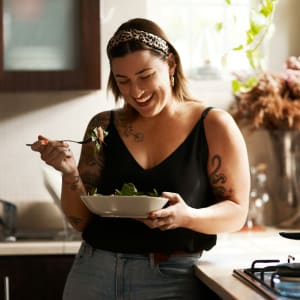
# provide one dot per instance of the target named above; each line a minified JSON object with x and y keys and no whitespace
{"x":221,"y":129}
{"x":218,"y":116}
{"x":219,"y":120}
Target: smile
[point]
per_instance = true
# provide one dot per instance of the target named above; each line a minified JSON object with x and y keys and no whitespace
{"x":143,"y":100}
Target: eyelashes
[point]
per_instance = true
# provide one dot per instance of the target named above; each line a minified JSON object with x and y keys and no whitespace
{"x":145,"y":77}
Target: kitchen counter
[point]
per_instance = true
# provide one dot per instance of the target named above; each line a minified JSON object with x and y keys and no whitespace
{"x":215,"y":268}
{"x":39,"y":247}
{"x":237,"y":251}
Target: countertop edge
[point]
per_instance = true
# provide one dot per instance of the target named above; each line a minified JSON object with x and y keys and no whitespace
{"x":214,"y":285}
{"x":39,"y":248}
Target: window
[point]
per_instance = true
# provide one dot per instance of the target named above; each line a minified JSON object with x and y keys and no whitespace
{"x":191,"y":27}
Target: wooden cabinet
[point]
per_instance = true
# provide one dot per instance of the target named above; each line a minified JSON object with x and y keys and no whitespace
{"x":49,"y":45}
{"x":34,"y":277}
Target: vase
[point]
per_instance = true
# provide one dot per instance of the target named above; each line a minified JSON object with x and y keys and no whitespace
{"x":285,"y":146}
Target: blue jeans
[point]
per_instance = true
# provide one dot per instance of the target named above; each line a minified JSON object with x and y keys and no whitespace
{"x":105,"y":275}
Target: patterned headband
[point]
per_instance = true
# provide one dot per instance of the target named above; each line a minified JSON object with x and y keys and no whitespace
{"x":147,"y":38}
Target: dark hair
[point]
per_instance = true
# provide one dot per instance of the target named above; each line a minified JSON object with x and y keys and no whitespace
{"x":180,"y":89}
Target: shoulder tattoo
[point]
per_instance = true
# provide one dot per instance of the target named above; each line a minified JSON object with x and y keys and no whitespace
{"x":124,"y":123}
{"x":218,"y":179}
{"x":101,"y":119}
{"x":129,"y":131}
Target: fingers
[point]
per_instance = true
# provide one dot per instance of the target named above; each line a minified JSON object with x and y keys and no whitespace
{"x":100,"y":134}
{"x":43,"y":140}
{"x":165,"y":223}
{"x":37,"y":146}
{"x":51,"y":151}
{"x":170,"y":217}
{"x":55,"y":150}
{"x":173,"y":198}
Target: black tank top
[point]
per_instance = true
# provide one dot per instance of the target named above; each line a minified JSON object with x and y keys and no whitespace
{"x":183,"y":172}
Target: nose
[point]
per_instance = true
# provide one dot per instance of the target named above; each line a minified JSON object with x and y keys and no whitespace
{"x":136,"y":91}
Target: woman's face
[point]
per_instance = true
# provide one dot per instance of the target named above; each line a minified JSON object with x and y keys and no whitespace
{"x":144,"y":81}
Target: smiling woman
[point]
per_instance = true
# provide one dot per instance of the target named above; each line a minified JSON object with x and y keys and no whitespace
{"x":162,"y":138}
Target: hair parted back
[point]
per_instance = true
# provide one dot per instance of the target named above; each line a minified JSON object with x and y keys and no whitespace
{"x":180,"y":89}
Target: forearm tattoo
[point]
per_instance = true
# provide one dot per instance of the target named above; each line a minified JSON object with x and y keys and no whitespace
{"x":218,"y":179}
{"x":74,"y":220}
{"x":73,"y":183}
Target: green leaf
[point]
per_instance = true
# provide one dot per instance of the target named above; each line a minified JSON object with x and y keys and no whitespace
{"x":93,"y":135}
{"x":250,"y":56}
{"x":219,"y":26}
{"x":251,"y":82}
{"x":92,"y":191}
{"x":228,"y":2}
{"x":243,"y":87}
{"x":240,"y":47}
{"x":154,"y":193}
{"x":267,"y":8}
{"x":98,"y":145}
{"x":129,"y":189}
{"x":235,"y":86}
{"x":250,"y":37}
{"x":255,"y":27}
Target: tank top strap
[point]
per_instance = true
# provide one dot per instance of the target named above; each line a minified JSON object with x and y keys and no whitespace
{"x":112,"y":117}
{"x":205,"y":112}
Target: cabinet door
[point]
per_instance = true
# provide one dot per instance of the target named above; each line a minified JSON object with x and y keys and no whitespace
{"x":49,"y":45}
{"x":34,"y":277}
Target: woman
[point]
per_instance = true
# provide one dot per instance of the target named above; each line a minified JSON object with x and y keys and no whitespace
{"x":165,"y":139}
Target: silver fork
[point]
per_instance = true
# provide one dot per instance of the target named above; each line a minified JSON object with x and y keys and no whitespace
{"x":72,"y":141}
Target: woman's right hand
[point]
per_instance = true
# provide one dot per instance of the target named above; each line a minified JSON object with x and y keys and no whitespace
{"x":56,"y":154}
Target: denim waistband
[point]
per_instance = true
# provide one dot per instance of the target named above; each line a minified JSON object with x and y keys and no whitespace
{"x":154,"y":257}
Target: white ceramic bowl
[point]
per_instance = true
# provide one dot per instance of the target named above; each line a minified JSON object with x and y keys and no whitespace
{"x":123,"y":206}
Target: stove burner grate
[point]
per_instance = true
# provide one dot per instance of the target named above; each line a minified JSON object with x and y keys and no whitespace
{"x":275,"y":280}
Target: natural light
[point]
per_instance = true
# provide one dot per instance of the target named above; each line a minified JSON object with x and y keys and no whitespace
{"x":191,"y":26}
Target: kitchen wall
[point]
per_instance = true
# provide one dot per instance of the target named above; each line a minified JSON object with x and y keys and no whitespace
{"x":57,"y":115}
{"x":60,"y":115}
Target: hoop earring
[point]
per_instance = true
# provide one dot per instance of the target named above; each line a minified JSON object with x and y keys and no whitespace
{"x":172,"y":81}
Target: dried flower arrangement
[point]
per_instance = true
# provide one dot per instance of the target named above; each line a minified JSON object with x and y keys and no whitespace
{"x":274,"y":102}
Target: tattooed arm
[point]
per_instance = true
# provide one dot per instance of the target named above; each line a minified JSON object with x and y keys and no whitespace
{"x":229,"y":176}
{"x":228,"y":170}
{"x":82,"y":179}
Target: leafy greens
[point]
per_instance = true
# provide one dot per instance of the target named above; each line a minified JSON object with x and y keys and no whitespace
{"x":129,"y":189}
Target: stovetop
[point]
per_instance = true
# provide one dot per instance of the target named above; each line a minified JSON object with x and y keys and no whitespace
{"x":273,"y":279}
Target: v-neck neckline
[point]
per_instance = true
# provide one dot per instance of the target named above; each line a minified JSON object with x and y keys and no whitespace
{"x":166,"y":159}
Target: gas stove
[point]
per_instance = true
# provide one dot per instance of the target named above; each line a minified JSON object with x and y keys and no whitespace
{"x":272,"y":279}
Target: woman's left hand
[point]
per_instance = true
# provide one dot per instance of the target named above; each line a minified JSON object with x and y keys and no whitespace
{"x":174,"y":216}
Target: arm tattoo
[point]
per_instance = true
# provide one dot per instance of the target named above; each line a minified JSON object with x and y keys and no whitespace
{"x":100,"y":120}
{"x":74,"y":183}
{"x":218,"y":180}
{"x":74,"y":220}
